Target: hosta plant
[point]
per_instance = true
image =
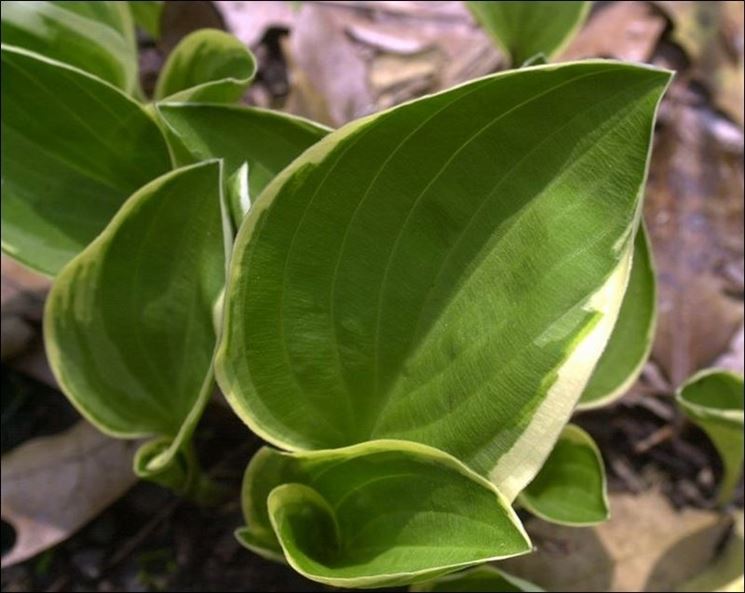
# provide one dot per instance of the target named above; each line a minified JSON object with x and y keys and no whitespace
{"x":407,"y":309}
{"x":713,"y":399}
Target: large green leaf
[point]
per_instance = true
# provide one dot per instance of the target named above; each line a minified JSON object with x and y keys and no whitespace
{"x":128,"y":324}
{"x":524,"y":29}
{"x":713,"y":399}
{"x":486,"y":579}
{"x":73,"y":150}
{"x":375,"y":514}
{"x":446,"y":272}
{"x":267,"y":140}
{"x":570,"y":489}
{"x":147,"y":14}
{"x":632,"y":337}
{"x":208,"y":66}
{"x":97,"y":37}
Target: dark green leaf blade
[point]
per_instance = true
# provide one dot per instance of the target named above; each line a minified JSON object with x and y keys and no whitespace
{"x":208,"y":66}
{"x":435,"y":273}
{"x":374,"y":514}
{"x":524,"y":29}
{"x":128,"y":325}
{"x":267,"y":140}
{"x":73,"y":150}
{"x":570,"y":489}
{"x":97,"y":37}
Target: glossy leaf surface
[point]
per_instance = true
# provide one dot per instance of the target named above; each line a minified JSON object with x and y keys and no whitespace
{"x":128,"y":324}
{"x":375,"y":514}
{"x":525,"y":29}
{"x":97,"y":37}
{"x":446,"y":272}
{"x":208,"y":66}
{"x":713,"y":399}
{"x":267,"y":140}
{"x":482,"y":579}
{"x":73,"y":150}
{"x":570,"y":489}
{"x":631,"y":341}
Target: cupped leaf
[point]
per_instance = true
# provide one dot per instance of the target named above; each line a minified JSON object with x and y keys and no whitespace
{"x":570,"y":489}
{"x":446,"y":272}
{"x":375,"y":514}
{"x":97,"y":37}
{"x":128,"y":324}
{"x":146,"y":14}
{"x":631,"y":341}
{"x":713,"y":399}
{"x":267,"y":140}
{"x":73,"y":150}
{"x":524,"y":29}
{"x":208,"y":66}
{"x":484,"y":579}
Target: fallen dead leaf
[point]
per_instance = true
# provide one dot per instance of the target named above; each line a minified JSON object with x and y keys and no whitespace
{"x":325,"y":63}
{"x":711,"y":33}
{"x":621,"y":30}
{"x":694,"y":212}
{"x":248,"y":21}
{"x":52,"y":486}
{"x":726,"y":571}
{"x":646,"y":546}
{"x":23,"y":292}
{"x":734,"y":358}
{"x":349,"y":59}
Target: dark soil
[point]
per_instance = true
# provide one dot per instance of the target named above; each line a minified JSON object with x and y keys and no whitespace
{"x":152,"y":540}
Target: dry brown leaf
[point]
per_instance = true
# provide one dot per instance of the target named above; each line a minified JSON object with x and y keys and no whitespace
{"x":326,"y":70}
{"x":646,"y":546}
{"x":349,"y":59}
{"x":23,"y":293}
{"x":711,"y":33}
{"x":726,"y":572}
{"x":734,"y":358}
{"x":694,"y":211}
{"x":621,"y":30}
{"x":52,"y":486}
{"x":248,"y":21}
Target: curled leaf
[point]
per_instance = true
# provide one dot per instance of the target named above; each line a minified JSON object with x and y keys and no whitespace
{"x":129,"y":322}
{"x":374,"y":514}
{"x":570,"y":489}
{"x":713,"y":399}
{"x":208,"y":66}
